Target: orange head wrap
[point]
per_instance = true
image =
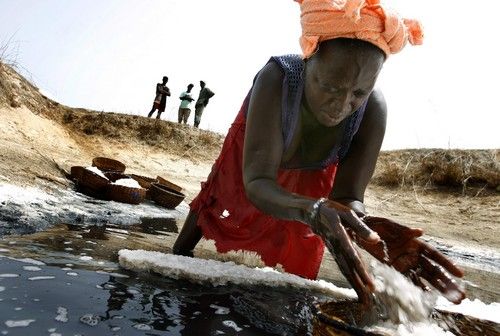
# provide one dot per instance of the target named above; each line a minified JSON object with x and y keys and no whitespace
{"x":364,"y":20}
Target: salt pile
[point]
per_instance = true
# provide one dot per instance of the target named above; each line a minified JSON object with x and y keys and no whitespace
{"x":96,"y":171}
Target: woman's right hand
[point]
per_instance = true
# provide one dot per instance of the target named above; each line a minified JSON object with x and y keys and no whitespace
{"x":330,"y":224}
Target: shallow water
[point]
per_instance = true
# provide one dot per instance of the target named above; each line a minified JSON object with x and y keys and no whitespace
{"x":67,"y":300}
{"x":67,"y":281}
{"x":67,"y":286}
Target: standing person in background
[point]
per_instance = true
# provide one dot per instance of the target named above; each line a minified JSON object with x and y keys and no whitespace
{"x":201,"y":103}
{"x":186,"y":100}
{"x":162,"y":91}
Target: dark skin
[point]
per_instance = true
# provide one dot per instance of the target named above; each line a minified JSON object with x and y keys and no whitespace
{"x":338,"y":79}
{"x":189,"y":88}
{"x":165,"y":90}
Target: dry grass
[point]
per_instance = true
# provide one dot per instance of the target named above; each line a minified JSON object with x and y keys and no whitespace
{"x":171,"y":137}
{"x":15,"y":91}
{"x":431,"y":168}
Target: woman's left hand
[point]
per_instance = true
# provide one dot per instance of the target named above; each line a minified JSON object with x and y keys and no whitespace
{"x":413,"y":257}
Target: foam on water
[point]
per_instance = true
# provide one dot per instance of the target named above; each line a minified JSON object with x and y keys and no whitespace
{"x":232,"y":324}
{"x":133,"y":291}
{"x":18,"y":323}
{"x":32,"y":268}
{"x":48,"y":277}
{"x":142,"y":326}
{"x":9,"y":275}
{"x":116,"y":275}
{"x":220,"y":310}
{"x":62,"y":315}
{"x":90,"y":319}
{"x":29,"y":261}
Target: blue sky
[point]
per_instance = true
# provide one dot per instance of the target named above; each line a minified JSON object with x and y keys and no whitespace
{"x":108,"y":55}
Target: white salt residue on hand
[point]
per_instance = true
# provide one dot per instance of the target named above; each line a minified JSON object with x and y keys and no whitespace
{"x":128,"y":182}
{"x":399,"y":299}
{"x":407,"y":307}
{"x":97,"y":171}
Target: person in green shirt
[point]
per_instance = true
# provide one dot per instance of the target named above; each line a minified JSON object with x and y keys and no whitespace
{"x":201,"y":103}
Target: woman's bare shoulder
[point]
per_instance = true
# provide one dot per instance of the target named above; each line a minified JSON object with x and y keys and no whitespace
{"x":265,"y":101}
{"x":270,"y":77}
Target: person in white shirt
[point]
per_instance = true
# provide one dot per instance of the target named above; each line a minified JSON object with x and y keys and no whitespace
{"x":186,"y":100}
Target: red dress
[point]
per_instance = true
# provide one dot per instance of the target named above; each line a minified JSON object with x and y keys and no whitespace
{"x":226,"y":216}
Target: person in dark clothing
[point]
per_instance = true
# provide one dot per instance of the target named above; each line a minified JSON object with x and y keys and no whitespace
{"x":201,"y":103}
{"x":162,"y":91}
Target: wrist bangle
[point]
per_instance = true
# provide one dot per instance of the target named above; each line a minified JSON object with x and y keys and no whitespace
{"x":313,"y":213}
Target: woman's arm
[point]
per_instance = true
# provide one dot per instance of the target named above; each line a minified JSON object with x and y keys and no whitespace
{"x":263,"y":150}
{"x":355,"y":171}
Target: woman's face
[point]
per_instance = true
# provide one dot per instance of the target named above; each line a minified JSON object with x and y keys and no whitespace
{"x":338,"y":79}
